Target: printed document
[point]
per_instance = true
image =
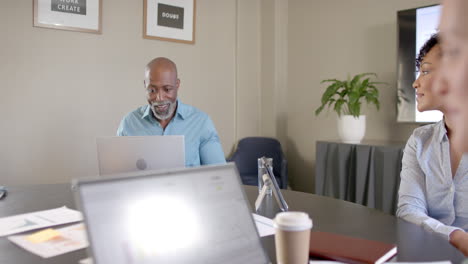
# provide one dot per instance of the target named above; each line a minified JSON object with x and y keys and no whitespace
{"x":25,"y":222}
{"x":67,"y":239}
{"x":264,"y":225}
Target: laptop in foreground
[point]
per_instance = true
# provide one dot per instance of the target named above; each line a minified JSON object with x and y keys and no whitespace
{"x":193,"y":215}
{"x":130,"y":153}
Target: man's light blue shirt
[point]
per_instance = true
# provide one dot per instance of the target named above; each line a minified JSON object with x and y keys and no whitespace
{"x":202,"y":145}
{"x":429,"y":196}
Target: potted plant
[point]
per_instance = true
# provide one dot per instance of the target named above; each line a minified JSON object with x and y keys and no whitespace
{"x":346,"y":97}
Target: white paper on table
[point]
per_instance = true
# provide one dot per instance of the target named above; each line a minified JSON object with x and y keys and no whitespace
{"x":325,"y":262}
{"x":264,"y":225}
{"x":40,"y":219}
{"x":71,"y":238}
{"x":86,"y":261}
{"x":423,"y":262}
{"x":337,"y":262}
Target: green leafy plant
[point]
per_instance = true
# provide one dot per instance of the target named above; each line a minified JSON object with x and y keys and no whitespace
{"x":345,"y":96}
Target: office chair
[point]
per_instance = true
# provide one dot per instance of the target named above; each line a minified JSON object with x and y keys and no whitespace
{"x":248,"y":151}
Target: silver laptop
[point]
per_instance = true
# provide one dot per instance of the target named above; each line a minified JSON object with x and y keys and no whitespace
{"x":127,"y":154}
{"x":190,"y":215}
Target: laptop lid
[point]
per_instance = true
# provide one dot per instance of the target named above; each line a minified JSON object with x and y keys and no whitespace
{"x":190,"y":215}
{"x":127,"y":154}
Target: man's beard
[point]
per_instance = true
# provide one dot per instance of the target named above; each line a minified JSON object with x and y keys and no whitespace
{"x":163,"y":110}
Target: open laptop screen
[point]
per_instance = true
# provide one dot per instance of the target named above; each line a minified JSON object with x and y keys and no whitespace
{"x":196,"y":215}
{"x":130,"y":153}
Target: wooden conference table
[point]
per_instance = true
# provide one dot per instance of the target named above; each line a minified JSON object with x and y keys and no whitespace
{"x":328,"y":214}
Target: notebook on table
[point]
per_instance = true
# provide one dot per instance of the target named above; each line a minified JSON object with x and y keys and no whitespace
{"x":349,"y":249}
{"x":190,"y":215}
{"x":127,"y":154}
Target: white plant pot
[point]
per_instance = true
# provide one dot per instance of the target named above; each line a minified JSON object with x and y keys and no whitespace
{"x":351,"y":129}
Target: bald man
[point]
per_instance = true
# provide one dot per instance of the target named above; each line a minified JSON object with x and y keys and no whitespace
{"x":166,"y":115}
{"x":453,"y":84}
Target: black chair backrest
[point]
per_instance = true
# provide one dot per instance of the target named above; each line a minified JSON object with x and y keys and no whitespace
{"x":248,"y":151}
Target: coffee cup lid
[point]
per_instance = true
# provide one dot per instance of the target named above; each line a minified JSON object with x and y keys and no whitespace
{"x":292,"y":221}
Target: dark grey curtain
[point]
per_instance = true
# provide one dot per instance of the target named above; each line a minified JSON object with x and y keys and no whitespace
{"x":363,"y":174}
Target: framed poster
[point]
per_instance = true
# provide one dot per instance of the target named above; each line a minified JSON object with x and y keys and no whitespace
{"x":172,"y":20}
{"x":76,"y":15}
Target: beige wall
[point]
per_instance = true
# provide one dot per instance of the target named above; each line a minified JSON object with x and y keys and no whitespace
{"x":329,"y":39}
{"x":62,"y":89}
{"x":274,"y":23}
{"x":248,"y":68}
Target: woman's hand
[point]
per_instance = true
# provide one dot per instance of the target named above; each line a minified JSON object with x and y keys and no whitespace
{"x":459,"y":239}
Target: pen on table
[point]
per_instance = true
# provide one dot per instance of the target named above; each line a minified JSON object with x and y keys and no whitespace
{"x":3,"y":192}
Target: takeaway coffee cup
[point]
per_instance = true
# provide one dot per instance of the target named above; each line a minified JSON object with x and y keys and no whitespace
{"x":292,"y":236}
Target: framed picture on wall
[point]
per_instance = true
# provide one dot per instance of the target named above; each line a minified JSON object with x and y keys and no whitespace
{"x":76,"y":15}
{"x":172,"y":20}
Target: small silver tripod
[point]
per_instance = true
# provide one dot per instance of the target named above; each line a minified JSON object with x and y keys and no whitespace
{"x":270,"y":186}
